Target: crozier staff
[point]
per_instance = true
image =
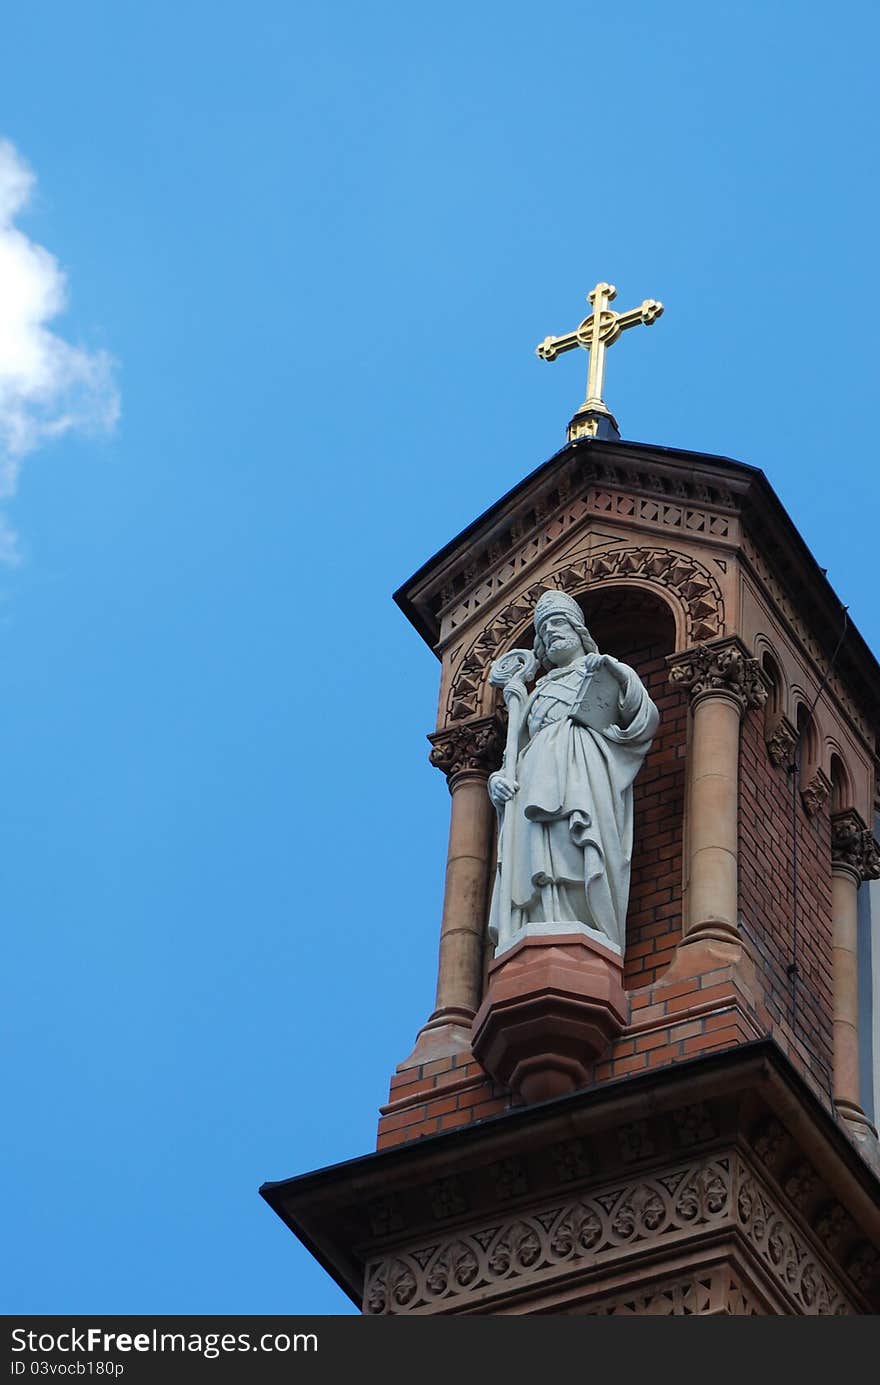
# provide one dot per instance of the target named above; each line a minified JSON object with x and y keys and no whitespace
{"x":566,"y":817}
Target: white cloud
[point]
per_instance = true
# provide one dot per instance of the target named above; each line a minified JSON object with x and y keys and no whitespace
{"x":47,"y":386}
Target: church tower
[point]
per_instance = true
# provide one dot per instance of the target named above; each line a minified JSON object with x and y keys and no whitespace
{"x":649,"y":1083}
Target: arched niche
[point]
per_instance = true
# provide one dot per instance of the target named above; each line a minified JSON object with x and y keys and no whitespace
{"x":639,"y":627}
{"x":841,"y":796}
{"x":688,"y":592}
{"x":775,"y":705}
{"x":808,"y":743}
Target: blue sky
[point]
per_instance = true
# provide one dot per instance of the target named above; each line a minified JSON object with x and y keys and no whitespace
{"x":313,"y":249}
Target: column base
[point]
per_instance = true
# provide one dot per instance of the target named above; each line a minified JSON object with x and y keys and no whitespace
{"x":446,"y":1033}
{"x":861,"y":1131}
{"x":713,"y":930}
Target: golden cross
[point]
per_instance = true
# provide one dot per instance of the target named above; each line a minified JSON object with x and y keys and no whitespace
{"x":598,"y":331}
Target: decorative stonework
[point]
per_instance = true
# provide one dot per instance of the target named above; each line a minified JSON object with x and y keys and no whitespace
{"x":852,"y":845}
{"x":690,"y":584}
{"x":533,"y":1248}
{"x":801,"y":1184}
{"x":446,"y":1198}
{"x":509,"y":1179}
{"x":781,"y":743}
{"x":827,"y":1218}
{"x":720,"y":668}
{"x":634,"y":1141}
{"x":815,"y":795}
{"x":770,"y":1141}
{"x":537,"y":1244}
{"x":572,"y":1161}
{"x":786,"y":1254}
{"x":693,"y":1125}
{"x":585,"y":487}
{"x":385,"y":1216}
{"x":476,"y":745}
{"x":863,"y":1266}
{"x":716,"y":1292}
{"x":834,"y":1227}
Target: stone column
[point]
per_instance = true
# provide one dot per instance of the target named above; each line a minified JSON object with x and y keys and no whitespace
{"x":467,"y":754}
{"x":855,"y":856}
{"x":723,"y":682}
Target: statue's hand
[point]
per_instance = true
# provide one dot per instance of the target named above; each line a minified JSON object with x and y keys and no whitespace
{"x":616,"y":669}
{"x":501,"y":789}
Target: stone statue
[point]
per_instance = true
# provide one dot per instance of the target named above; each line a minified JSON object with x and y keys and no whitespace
{"x":564,"y":793}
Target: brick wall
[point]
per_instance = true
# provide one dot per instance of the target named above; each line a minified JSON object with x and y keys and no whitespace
{"x":799,"y":1008}
{"x":669,"y":1022}
{"x":653,"y":921}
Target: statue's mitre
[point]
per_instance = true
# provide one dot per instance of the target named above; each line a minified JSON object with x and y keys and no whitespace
{"x":552,"y":603}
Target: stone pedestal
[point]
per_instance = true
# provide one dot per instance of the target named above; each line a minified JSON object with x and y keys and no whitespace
{"x":553,"y":1004}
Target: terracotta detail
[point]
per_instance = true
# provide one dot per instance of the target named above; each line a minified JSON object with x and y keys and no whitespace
{"x":781,"y":742}
{"x":582,"y":489}
{"x":609,"y":1225}
{"x":786,"y":1253}
{"x":691,"y":584}
{"x":815,"y":795}
{"x":853,"y":846}
{"x":509,"y":1179}
{"x":720,"y":668}
{"x":710,"y":1294}
{"x":693,"y":1125}
{"x":385,"y":1215}
{"x":475,"y":745}
{"x":572,"y":1161}
{"x":447,"y":1198}
{"x":635,"y":1142}
{"x":552,"y":1005}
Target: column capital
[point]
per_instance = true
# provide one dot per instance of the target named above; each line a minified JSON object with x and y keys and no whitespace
{"x":472,"y":747}
{"x":854,"y":850}
{"x":722,"y":668}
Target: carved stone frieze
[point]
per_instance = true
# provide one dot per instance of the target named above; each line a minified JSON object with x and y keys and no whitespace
{"x":771,"y":1141}
{"x":781,"y":743}
{"x":536,"y":1246}
{"x":634,"y":1141}
{"x":476,"y":745}
{"x":815,"y":795}
{"x":446,"y":1199}
{"x":510,"y":1179}
{"x":385,"y":1216}
{"x":581,"y":489}
{"x":801,"y":1184}
{"x":852,"y":845}
{"x":539,"y":1244}
{"x":834,"y":1226}
{"x":572,"y":1161}
{"x":716,"y":1292}
{"x":693,"y":1124}
{"x":863,"y":1266}
{"x":693,"y":588}
{"x":720,"y":668}
{"x":786,"y":1253}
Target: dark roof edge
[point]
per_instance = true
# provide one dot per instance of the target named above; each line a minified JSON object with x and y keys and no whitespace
{"x":855,"y":645}
{"x":763,"y":1051}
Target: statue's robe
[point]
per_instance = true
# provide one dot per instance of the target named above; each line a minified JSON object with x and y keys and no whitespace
{"x":565,"y":844}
